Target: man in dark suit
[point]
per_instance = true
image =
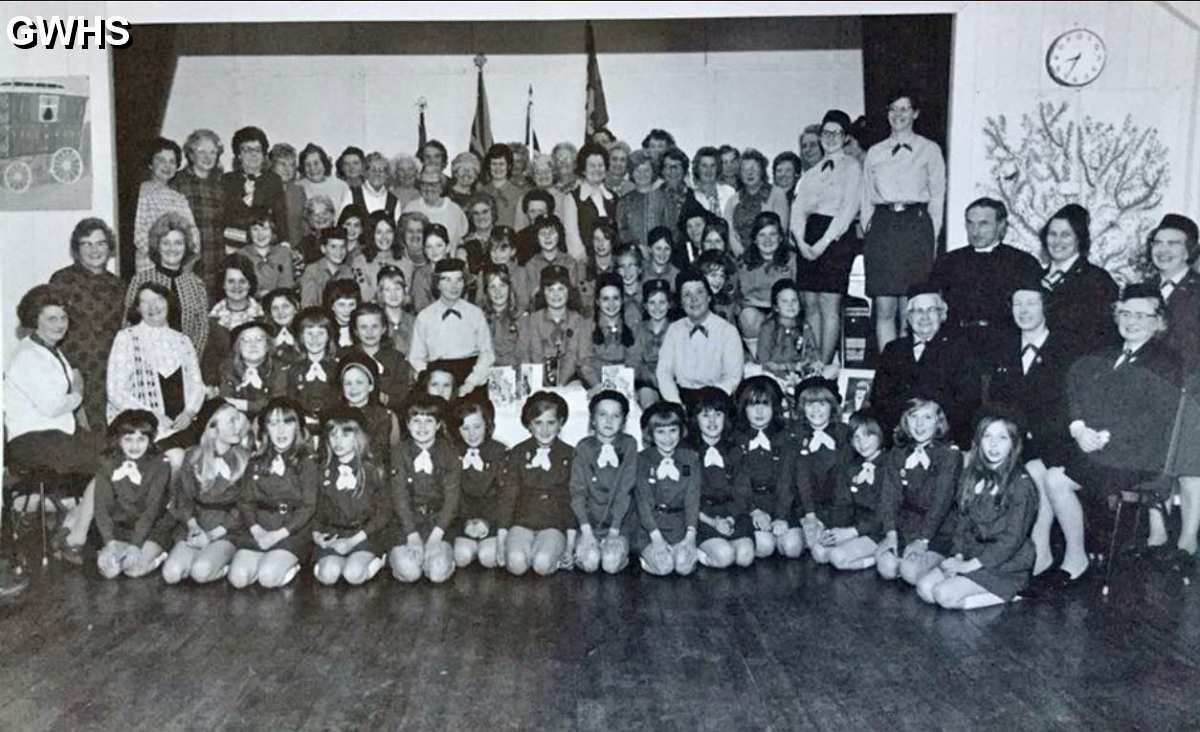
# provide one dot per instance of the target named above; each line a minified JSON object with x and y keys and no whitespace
{"x":1121,"y":405}
{"x":249,"y":185}
{"x":977,"y":282}
{"x":928,"y":363}
{"x":1173,"y":252}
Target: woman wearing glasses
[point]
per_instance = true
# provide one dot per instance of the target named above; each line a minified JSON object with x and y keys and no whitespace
{"x":827,"y":200}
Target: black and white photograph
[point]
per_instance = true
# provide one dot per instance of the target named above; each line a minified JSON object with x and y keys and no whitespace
{"x":598,"y":366}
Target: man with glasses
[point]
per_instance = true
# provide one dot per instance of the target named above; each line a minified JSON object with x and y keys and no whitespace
{"x":249,"y":185}
{"x":437,"y":208}
{"x":931,"y":363}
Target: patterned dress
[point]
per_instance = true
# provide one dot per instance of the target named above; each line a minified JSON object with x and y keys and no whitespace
{"x":96,"y":304}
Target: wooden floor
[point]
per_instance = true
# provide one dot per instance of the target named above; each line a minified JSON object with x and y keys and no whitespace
{"x":782,"y":646}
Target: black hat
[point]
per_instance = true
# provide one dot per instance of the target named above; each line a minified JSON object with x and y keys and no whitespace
{"x":609,"y":395}
{"x":359,"y":359}
{"x":256,"y":323}
{"x":649,"y":287}
{"x":343,"y":413}
{"x":133,"y":420}
{"x":609,"y":279}
{"x":449,"y":265}
{"x":280,"y":402}
{"x":1140,"y":290}
{"x":819,"y":382}
{"x":1180,"y":223}
{"x":290,"y":293}
{"x":838,"y":117}
{"x":923,"y":288}
{"x":555,"y":274}
{"x":1029,"y":281}
{"x":259,"y":213}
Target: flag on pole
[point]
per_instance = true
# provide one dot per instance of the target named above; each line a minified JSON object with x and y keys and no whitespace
{"x":421,"y":135}
{"x":481,"y":127}
{"x":597,"y":108}
{"x":529,"y":131}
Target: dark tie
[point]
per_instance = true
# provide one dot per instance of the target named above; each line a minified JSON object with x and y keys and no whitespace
{"x":1126,"y":357}
{"x":901,"y":146}
{"x":1029,"y":347}
{"x":699,"y":329}
{"x":450,"y":312}
{"x":827,"y":165}
{"x":919,"y":348}
{"x":1052,"y":278}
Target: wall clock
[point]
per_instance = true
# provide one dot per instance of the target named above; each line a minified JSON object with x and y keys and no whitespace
{"x":1076,"y":57}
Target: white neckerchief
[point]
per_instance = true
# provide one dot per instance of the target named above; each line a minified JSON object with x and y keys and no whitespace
{"x":472,"y":460}
{"x":423,"y":462}
{"x":540,"y":459}
{"x":918,"y":457}
{"x":128,"y":469}
{"x":712,"y":457}
{"x":761,"y":442}
{"x":608,"y":456}
{"x":597,"y":194}
{"x":278,"y":467}
{"x":347,"y":480}
{"x":251,"y":378}
{"x":667,"y":469}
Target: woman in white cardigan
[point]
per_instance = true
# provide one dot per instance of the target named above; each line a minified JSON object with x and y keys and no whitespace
{"x":46,"y":429}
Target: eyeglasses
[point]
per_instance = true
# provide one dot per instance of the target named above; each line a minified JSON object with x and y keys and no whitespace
{"x":925,"y":311}
{"x":1134,"y":315}
{"x":831,"y":133}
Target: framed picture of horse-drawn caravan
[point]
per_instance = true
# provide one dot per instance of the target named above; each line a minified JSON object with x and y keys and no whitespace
{"x":45,"y":144}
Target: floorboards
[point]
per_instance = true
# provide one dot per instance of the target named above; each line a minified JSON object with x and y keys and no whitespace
{"x":780,"y":646}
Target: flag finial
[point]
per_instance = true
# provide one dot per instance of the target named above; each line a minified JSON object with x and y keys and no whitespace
{"x":480,"y":60}
{"x":422,"y":103}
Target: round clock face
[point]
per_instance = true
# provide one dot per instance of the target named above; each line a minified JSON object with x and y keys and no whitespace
{"x":1076,"y":57}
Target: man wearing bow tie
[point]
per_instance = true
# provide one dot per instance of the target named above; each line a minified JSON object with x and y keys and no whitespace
{"x":930,"y":363}
{"x":903,"y":198}
{"x":453,"y":330}
{"x":250,"y":184}
{"x":977,"y":282}
{"x":700,"y":350}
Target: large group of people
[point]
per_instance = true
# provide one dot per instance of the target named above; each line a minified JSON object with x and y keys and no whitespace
{"x":297,"y":372}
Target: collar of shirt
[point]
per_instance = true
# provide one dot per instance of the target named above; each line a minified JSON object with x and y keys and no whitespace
{"x":986,"y":250}
{"x":1064,"y":266}
{"x":1038,"y":341}
{"x":1175,"y":281}
{"x":598,"y":194}
{"x":369,"y":190}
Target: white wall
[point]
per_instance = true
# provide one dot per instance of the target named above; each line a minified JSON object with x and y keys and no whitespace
{"x":34,"y":244}
{"x":1150,"y":77}
{"x":704,"y":89}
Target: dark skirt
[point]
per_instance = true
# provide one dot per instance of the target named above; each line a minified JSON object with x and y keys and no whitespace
{"x":320,"y":552}
{"x":162,"y":533}
{"x":56,"y":452}
{"x":671,"y":523}
{"x":299,"y":544}
{"x":743,"y":528}
{"x":899,"y":250}
{"x":831,"y":271}
{"x":1186,"y":460}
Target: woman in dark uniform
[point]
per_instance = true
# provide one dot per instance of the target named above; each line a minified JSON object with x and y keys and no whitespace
{"x":1079,"y":294}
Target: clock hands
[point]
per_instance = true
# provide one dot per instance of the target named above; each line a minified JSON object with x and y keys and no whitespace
{"x":1074,"y":61}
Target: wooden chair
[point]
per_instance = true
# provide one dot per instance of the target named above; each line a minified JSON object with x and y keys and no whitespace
{"x":47,"y":486}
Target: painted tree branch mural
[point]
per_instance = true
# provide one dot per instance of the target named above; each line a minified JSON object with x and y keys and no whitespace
{"x":1119,"y":173}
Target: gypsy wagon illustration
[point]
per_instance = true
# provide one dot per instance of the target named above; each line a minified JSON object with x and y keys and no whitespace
{"x":42,"y":133}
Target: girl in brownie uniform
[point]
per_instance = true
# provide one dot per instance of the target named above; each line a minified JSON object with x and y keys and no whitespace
{"x":725,"y":531}
{"x":765,"y":457}
{"x":131,"y":499}
{"x":350,"y":529}
{"x":481,"y":530}
{"x":854,"y":528}
{"x":667,"y":493}
{"x":277,"y":501}
{"x":603,"y":474}
{"x":426,"y":483}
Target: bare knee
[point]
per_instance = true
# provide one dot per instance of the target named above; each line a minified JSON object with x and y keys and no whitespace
{"x":614,"y":558}
{"x":544,"y":564}
{"x":743,"y":552}
{"x":464,"y":551}
{"x":174,"y":571}
{"x":328,"y":571}
{"x":820,"y":553}
{"x":405,"y":566}
{"x":517,"y":561}
{"x":764,"y":544}
{"x":791,"y":544}
{"x":242,"y":576}
{"x":588,"y":559}
{"x":718,"y":554}
{"x":927,"y":586}
{"x":488,"y":553}
{"x":887,"y":566}
{"x":945,"y":597}
{"x":910,"y":571}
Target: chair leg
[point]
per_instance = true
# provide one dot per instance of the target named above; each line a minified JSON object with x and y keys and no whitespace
{"x":1112,"y":549}
{"x":42,"y":510}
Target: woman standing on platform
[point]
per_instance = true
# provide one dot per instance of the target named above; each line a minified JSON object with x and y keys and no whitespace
{"x":590,"y":201}
{"x":828,"y":198}
{"x":96,"y":301}
{"x":172,"y":247}
{"x":903,"y":198}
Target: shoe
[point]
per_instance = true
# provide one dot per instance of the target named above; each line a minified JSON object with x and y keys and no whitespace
{"x":71,"y":554}
{"x":1067,"y":583}
{"x":1179,"y":560}
{"x":1159,"y":553}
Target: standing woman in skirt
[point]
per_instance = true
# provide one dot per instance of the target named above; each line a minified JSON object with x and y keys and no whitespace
{"x":828,"y":198}
{"x":903,"y":198}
